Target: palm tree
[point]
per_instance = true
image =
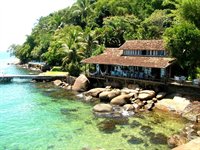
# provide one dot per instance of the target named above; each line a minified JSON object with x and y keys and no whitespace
{"x":81,"y":10}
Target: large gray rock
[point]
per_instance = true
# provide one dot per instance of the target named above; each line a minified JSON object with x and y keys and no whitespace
{"x":121,"y":99}
{"x":95,"y":92}
{"x":108,"y":95}
{"x":192,"y":111}
{"x":146,"y":94}
{"x":102,"y":108}
{"x":81,"y":84}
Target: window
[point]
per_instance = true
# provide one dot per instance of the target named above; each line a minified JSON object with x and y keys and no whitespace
{"x":144,"y":52}
{"x":161,"y":53}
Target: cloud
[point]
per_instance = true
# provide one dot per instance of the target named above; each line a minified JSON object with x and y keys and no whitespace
{"x":17,"y":18}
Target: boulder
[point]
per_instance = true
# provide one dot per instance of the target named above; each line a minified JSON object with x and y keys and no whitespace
{"x":198,"y":133}
{"x":102,"y":108}
{"x":177,"y":104}
{"x":94,"y":92}
{"x":81,"y":84}
{"x":127,"y":91}
{"x":176,"y":140}
{"x":70,"y":79}
{"x":149,"y":105}
{"x":193,"y":144}
{"x":192,"y":111}
{"x":121,"y":99}
{"x":161,"y":95}
{"x":90,"y":99}
{"x":139,"y":103}
{"x":133,"y":86}
{"x":146,"y":94}
{"x":108,"y":95}
{"x":129,"y":107}
{"x":57,"y":82}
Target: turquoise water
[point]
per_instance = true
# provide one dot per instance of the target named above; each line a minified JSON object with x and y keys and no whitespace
{"x":39,"y":116}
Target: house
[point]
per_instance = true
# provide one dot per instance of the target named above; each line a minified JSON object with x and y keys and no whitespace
{"x":135,"y":59}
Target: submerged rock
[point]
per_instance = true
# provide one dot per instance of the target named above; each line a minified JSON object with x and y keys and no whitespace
{"x":67,"y":111}
{"x":109,"y":125}
{"x":135,"y":140}
{"x":159,"y":138}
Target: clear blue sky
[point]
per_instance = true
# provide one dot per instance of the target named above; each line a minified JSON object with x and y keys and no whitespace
{"x":17,"y":18}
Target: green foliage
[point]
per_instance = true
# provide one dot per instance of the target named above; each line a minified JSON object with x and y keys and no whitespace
{"x":73,"y":69}
{"x":119,"y":28}
{"x":183,"y":42}
{"x":154,"y":26}
{"x":198,"y":72}
{"x":189,"y":10}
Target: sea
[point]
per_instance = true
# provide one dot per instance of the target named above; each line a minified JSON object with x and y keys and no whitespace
{"x":41,"y":116}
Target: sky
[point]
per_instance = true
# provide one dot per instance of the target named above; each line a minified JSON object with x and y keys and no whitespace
{"x":17,"y":18}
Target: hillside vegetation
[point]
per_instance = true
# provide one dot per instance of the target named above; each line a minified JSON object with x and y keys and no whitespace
{"x":66,"y":37}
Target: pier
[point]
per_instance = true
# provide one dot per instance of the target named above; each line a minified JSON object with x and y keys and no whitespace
{"x":7,"y":77}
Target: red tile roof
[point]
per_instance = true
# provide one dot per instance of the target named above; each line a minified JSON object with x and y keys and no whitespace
{"x":113,"y":56}
{"x":143,"y":45}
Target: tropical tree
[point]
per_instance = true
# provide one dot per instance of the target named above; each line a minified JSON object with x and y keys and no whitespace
{"x":154,"y":26}
{"x":189,"y":10}
{"x":183,"y":42}
{"x":120,"y":28}
{"x":80,"y":12}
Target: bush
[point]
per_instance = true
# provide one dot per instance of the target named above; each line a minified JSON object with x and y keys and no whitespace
{"x":73,"y":69}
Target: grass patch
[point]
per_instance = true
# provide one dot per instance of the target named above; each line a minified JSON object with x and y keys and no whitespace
{"x":54,"y":73}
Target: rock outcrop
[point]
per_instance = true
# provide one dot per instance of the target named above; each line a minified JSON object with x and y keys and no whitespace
{"x":192,"y":111}
{"x":176,"y":140}
{"x":192,"y":145}
{"x":177,"y":104}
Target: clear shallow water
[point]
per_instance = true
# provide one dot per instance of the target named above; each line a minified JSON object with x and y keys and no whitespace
{"x":41,"y":116}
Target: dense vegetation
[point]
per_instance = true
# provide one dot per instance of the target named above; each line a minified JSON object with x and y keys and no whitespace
{"x":66,"y":37}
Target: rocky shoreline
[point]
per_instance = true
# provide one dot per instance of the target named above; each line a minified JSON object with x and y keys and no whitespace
{"x":113,"y":102}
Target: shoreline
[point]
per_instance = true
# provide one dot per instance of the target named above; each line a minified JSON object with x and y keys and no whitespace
{"x":174,"y":102}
